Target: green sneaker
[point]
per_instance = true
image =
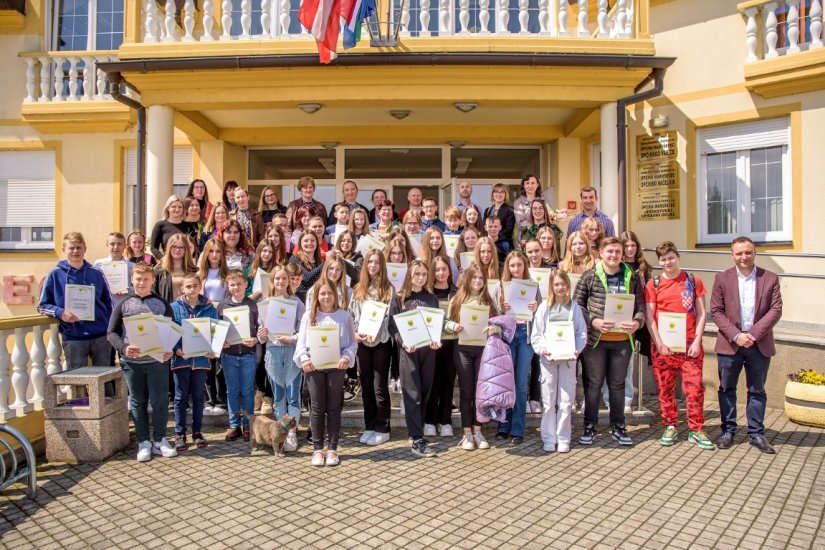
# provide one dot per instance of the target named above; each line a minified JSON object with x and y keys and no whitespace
{"x":669,"y":437}
{"x":702,"y":440}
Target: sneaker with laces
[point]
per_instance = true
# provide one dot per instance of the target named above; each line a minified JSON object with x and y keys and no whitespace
{"x":378,"y":438}
{"x":366,"y":436}
{"x":180,"y":442}
{"x":419,"y":448}
{"x":702,"y":440}
{"x":219,"y":410}
{"x":668,"y":437}
{"x":480,"y":442}
{"x":144,"y":453}
{"x":535,"y":406}
{"x":266,"y":406}
{"x":429,"y":429}
{"x":163,"y":448}
{"x":198,"y":440}
{"x":291,"y":443}
{"x":232,"y":434}
{"x":467,"y":442}
{"x":619,"y":433}
{"x":548,"y":447}
{"x":564,"y":447}
{"x":588,"y":436}
{"x":446,"y":430}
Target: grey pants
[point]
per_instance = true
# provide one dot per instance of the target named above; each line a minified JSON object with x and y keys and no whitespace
{"x":148,"y":383}
{"x":77,"y":352}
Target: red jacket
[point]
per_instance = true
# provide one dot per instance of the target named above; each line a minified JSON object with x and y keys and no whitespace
{"x":724,"y":310}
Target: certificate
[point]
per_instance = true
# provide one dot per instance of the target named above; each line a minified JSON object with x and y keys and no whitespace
{"x":142,"y":332}
{"x":338,"y":230}
{"x":170,"y":332}
{"x":542,"y":276}
{"x":561,"y":340}
{"x":324,"y":346}
{"x":218,"y":330}
{"x":412,"y":329}
{"x":367,"y":243}
{"x":474,"y":320}
{"x":465,"y":259}
{"x":521,"y":293}
{"x":673,"y":330}
{"x":197,"y":336}
{"x":117,"y":276}
{"x":396,"y":274}
{"x":261,"y":282}
{"x":574,"y":281}
{"x":619,"y":309}
{"x":415,"y":244}
{"x":80,"y":300}
{"x":238,"y":318}
{"x":451,"y":244}
{"x":280,"y":317}
{"x":494,"y":288}
{"x":434,"y":321}
{"x":372,"y":317}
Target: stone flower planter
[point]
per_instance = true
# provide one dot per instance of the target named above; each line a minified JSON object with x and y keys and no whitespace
{"x":805,"y":403}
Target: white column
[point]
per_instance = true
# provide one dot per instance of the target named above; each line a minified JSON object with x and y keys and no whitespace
{"x":609,"y":195}
{"x":159,"y":152}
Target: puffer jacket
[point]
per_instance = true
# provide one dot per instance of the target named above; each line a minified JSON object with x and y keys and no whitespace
{"x":591,"y":294}
{"x":496,"y":386}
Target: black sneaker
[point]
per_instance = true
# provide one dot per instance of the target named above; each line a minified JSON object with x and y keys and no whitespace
{"x":419,"y":448}
{"x":517,"y":440}
{"x":309,"y":436}
{"x":198,"y":440}
{"x":619,"y":433}
{"x":589,"y":435}
{"x":502,"y":436}
{"x":349,"y":391}
{"x":180,"y":442}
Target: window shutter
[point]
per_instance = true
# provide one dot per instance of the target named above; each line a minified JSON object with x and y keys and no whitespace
{"x":181,"y":170}
{"x":27,"y":188}
{"x":749,"y":135}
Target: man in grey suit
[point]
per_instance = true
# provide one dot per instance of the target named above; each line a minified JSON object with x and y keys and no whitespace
{"x":745,"y":305}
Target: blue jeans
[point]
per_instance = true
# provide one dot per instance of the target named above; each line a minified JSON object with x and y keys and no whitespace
{"x":189,"y":382}
{"x":239,"y":371}
{"x":285,"y":378}
{"x":522,"y":353}
{"x":148,"y":383}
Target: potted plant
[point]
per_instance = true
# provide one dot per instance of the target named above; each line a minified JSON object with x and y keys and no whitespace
{"x":805,"y":398}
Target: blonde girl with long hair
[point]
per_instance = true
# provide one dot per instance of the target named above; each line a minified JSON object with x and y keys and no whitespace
{"x":578,"y":256}
{"x":549,"y":246}
{"x":486,"y":256}
{"x":374,"y":353}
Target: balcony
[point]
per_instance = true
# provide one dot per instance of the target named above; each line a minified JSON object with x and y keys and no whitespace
{"x":783,"y":44}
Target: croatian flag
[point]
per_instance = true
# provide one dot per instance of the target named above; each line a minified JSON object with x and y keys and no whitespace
{"x":322,"y":19}
{"x":361,"y":9}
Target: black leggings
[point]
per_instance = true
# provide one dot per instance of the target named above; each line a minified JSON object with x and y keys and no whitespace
{"x":215,"y":385}
{"x":261,"y":379}
{"x":440,"y":404}
{"x":327,"y":390}
{"x":417,"y":371}
{"x":374,"y":364}
{"x":468,"y":365}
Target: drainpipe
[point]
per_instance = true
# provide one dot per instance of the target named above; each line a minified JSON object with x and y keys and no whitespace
{"x":658,"y":77}
{"x":117,"y":80}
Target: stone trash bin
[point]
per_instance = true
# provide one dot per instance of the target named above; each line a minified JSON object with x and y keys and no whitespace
{"x":86,"y":429}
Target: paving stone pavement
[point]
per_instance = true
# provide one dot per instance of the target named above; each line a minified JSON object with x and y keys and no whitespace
{"x":646,"y":497}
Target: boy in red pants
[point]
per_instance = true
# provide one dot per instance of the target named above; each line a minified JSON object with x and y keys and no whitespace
{"x":676,"y":299}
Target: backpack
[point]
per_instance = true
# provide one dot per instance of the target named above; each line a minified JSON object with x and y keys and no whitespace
{"x":691,"y":281}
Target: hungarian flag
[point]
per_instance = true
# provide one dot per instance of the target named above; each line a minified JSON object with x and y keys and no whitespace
{"x":321,"y":18}
{"x":354,"y":19}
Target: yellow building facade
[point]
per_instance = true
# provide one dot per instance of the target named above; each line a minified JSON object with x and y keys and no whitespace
{"x":479,"y":90}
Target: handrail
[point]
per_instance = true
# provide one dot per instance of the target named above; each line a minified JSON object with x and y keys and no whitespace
{"x":726,"y":253}
{"x":15,"y":474}
{"x":11,"y":323}
{"x":69,"y":53}
{"x":779,"y":274}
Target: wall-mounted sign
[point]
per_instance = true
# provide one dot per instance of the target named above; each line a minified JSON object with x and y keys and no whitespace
{"x":658,"y":175}
{"x":658,"y":205}
{"x":657,"y":147}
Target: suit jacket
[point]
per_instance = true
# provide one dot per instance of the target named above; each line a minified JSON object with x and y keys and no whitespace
{"x":724,"y":310}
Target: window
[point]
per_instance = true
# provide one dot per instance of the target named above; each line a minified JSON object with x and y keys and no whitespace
{"x":79,"y":25}
{"x":181,"y":178}
{"x":27,"y":200}
{"x":745,"y":182}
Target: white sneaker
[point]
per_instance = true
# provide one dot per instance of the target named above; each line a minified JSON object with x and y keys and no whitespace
{"x":535,"y":407}
{"x":378,"y":438}
{"x":564,"y":447}
{"x":548,"y":447}
{"x":366,"y":437}
{"x":446,"y":430}
{"x":208,"y":410}
{"x":429,"y":430}
{"x":402,"y":407}
{"x":467,"y":442}
{"x":480,"y":442}
{"x":628,"y":409}
{"x":291,"y":443}
{"x":164,"y":449}
{"x":144,"y":453}
{"x":218,"y":410}
{"x":318,"y":458}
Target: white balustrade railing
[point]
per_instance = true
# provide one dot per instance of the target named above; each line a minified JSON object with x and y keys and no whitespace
{"x":775,"y":28}
{"x":66,"y":76}
{"x":171,"y":21}
{"x":23,"y":370}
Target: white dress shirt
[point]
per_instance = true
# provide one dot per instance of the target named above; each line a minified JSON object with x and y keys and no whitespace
{"x":747,"y":298}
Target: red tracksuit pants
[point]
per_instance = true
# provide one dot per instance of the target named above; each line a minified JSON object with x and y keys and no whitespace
{"x":666,"y":369}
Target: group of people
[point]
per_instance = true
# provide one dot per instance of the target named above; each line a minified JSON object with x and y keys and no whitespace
{"x":204,"y":258}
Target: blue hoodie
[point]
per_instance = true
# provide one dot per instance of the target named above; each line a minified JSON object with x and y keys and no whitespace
{"x":52,"y":299}
{"x":182,"y":310}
